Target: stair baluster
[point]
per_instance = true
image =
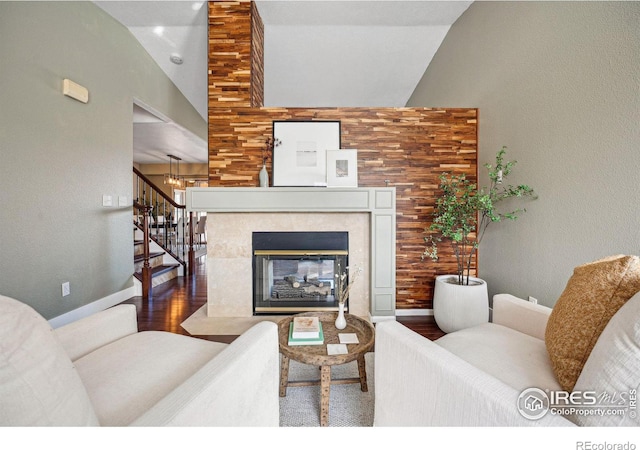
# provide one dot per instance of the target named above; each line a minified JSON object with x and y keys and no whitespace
{"x":192,"y":251}
{"x":169,"y":232}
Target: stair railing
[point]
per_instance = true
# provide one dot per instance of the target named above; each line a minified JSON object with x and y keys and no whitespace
{"x":144,"y":212}
{"x":167,"y":222}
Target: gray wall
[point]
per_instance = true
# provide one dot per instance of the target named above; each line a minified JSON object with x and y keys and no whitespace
{"x":59,"y":156}
{"x":558,"y":83}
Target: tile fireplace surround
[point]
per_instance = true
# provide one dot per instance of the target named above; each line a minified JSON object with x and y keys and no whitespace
{"x":367,"y":214}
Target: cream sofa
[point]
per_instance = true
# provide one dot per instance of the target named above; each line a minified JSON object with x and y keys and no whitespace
{"x":100,"y":371}
{"x":473,"y":377}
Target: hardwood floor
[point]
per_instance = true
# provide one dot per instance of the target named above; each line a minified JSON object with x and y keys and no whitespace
{"x":423,"y":325}
{"x":177,"y":299}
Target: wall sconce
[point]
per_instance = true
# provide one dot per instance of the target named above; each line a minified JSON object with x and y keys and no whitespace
{"x":75,"y":91}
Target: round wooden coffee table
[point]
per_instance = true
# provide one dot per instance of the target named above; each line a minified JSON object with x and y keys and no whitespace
{"x":316,"y":355}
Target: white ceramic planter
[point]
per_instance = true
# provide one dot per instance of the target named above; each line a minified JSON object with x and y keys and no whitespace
{"x":460,"y":306}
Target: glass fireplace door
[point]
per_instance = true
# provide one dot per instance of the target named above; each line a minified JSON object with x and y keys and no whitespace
{"x":289,"y":281}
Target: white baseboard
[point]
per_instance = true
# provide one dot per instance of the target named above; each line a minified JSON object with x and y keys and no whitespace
{"x":92,"y":308}
{"x":137,"y":287}
{"x":402,"y":313}
{"x":414,"y":312}
{"x":378,"y":319}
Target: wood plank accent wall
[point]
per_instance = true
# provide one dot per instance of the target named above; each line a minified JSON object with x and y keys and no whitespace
{"x":257,"y":58}
{"x":406,"y":147}
{"x":229,"y":54}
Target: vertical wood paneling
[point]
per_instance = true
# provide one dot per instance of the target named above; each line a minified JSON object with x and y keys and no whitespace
{"x":257,"y":58}
{"x":229,"y":54}
{"x":406,"y":147}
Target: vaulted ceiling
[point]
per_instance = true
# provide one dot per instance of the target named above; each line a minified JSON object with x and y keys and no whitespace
{"x":317,"y":53}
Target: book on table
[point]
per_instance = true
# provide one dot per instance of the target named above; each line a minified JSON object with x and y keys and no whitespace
{"x":306,"y":327}
{"x":305,"y":341}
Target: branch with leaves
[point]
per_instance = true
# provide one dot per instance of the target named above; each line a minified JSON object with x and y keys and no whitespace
{"x":270,"y":144}
{"x":343,"y":283}
{"x":463,"y":213}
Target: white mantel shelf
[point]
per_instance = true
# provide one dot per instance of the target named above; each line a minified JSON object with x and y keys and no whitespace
{"x":380,"y":203}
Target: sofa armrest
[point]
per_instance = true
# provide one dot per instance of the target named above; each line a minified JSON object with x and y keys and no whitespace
{"x":520,"y":315}
{"x":239,"y":387}
{"x":419,"y":383}
{"x":86,"y":335}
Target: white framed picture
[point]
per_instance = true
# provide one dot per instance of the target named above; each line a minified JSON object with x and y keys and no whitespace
{"x":342,"y":168}
{"x":300,"y":156}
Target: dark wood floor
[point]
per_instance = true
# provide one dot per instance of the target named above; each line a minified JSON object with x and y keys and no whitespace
{"x":177,"y":299}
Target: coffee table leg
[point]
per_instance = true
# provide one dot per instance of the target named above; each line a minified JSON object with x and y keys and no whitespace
{"x":325,"y":389}
{"x":284,"y":375}
{"x":363,"y":374}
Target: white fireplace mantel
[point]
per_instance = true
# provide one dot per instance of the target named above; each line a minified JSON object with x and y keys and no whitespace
{"x":380,"y":203}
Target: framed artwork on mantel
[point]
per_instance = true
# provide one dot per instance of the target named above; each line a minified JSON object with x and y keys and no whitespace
{"x":300,"y":159}
{"x":342,"y":168}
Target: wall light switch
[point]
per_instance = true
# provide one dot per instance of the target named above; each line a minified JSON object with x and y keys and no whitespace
{"x":107,"y":200}
{"x":66,"y":289}
{"x":122,"y":200}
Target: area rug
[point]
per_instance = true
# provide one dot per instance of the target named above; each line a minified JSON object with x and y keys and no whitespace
{"x":199,"y":324}
{"x":348,"y":405}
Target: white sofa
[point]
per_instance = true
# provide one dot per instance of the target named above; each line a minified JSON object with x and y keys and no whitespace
{"x":100,"y":371}
{"x":473,"y":377}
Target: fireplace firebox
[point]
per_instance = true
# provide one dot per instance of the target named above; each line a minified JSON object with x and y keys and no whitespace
{"x":295,"y":271}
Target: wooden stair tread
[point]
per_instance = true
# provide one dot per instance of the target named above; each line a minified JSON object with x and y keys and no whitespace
{"x":158,"y":270}
{"x":138,"y":258}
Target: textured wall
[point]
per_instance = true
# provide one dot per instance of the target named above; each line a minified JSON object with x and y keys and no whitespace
{"x":408,"y":147}
{"x":558,"y":83}
{"x":59,"y":156}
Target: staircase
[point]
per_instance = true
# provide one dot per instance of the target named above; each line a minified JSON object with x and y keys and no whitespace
{"x":163,"y":237}
{"x":161,"y":271}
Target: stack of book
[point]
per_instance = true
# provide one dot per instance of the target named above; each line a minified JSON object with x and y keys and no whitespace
{"x":306,"y":330}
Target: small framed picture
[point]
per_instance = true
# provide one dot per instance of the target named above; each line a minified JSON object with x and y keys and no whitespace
{"x":300,"y":156}
{"x":342,"y":168}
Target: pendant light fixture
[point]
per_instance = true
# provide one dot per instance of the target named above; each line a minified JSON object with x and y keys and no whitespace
{"x":170,"y":178}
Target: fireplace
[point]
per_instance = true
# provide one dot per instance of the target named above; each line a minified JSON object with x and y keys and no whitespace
{"x":295,"y":271}
{"x":368,"y":215}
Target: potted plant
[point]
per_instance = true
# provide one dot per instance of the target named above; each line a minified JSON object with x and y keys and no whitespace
{"x":461,"y":217}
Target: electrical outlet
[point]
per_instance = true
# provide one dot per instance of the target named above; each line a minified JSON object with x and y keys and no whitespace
{"x":66,"y":289}
{"x":533,"y":300}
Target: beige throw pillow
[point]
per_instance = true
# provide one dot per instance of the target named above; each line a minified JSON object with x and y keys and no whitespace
{"x":613,"y":370}
{"x":593,"y":294}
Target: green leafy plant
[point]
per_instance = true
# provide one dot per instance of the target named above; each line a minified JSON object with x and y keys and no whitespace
{"x":463,"y":213}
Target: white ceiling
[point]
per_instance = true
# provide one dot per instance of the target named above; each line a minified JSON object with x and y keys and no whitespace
{"x":154,"y":138}
{"x":350,"y":53}
{"x":317,"y":53}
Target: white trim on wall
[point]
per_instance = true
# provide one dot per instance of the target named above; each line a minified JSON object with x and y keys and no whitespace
{"x":92,"y":308}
